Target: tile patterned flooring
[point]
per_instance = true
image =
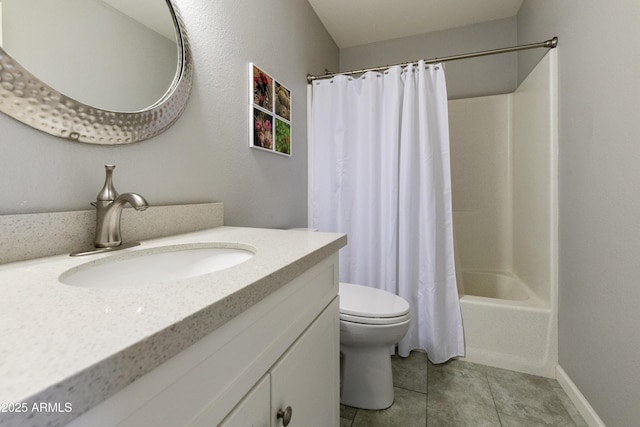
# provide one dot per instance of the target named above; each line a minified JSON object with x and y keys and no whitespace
{"x":459,"y":394}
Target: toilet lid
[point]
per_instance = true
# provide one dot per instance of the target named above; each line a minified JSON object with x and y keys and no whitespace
{"x":363,"y":301}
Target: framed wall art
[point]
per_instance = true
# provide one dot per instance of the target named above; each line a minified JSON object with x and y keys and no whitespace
{"x":269,"y":113}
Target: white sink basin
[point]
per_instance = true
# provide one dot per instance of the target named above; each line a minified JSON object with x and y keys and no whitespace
{"x":156,"y":265}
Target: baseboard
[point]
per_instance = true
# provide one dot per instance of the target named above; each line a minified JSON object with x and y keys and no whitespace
{"x":582,"y":405}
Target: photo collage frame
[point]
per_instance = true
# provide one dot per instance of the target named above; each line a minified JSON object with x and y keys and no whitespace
{"x":269,"y":113}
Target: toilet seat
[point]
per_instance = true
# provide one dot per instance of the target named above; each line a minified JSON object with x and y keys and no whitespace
{"x":363,"y":304}
{"x":375,"y":320}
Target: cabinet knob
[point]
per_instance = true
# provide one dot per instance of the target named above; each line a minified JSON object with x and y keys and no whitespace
{"x":285,"y":415}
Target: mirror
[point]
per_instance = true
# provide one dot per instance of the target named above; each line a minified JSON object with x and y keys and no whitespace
{"x":108,"y":71}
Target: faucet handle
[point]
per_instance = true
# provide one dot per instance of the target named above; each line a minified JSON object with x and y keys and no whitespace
{"x":108,"y":192}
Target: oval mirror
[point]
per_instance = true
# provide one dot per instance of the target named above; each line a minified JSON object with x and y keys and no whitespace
{"x":96,"y":71}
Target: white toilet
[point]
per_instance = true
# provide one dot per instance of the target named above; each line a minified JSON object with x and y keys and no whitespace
{"x":371,"y":321}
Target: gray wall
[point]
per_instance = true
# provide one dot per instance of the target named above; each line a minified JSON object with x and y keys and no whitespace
{"x":465,"y":78}
{"x":599,"y":182}
{"x":205,"y":155}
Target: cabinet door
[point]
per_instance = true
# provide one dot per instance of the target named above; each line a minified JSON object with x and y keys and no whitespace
{"x":307,"y":376}
{"x":253,"y":410}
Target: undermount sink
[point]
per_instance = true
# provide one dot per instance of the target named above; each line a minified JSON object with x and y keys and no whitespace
{"x":156,"y":265}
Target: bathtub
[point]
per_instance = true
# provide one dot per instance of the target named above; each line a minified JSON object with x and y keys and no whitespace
{"x":506,"y":325}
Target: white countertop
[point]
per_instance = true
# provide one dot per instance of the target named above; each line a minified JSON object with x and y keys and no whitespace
{"x":68,"y":344}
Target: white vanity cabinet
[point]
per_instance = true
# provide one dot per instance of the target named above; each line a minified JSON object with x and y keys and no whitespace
{"x":282,"y":352}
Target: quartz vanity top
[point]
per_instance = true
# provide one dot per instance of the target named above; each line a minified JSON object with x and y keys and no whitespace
{"x":75,"y":346}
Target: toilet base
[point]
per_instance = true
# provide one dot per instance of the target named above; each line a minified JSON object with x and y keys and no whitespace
{"x":367,"y":378}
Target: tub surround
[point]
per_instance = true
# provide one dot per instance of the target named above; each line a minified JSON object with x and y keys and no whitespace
{"x":504,"y":178}
{"x":37,"y":235}
{"x":71,"y":344}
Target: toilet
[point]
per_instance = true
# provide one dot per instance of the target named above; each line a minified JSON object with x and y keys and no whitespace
{"x":371,"y":321}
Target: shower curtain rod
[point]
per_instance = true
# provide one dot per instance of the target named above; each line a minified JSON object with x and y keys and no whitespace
{"x":549,"y":44}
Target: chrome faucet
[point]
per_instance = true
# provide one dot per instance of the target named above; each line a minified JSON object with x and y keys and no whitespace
{"x":109,"y":207}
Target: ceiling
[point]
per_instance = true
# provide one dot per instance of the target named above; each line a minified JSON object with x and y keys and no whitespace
{"x":357,"y":22}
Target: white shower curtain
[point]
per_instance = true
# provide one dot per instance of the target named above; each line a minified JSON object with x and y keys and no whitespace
{"x":380,"y":173}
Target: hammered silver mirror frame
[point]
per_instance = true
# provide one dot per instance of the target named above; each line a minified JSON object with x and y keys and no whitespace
{"x":26,"y":98}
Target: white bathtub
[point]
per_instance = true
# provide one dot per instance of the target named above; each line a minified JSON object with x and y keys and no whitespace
{"x":506,"y":325}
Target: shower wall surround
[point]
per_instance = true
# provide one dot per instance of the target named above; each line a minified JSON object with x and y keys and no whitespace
{"x":480,"y":131}
{"x":504,"y":179}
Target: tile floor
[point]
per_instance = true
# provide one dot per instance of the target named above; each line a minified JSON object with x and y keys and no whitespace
{"x":458,"y":394}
